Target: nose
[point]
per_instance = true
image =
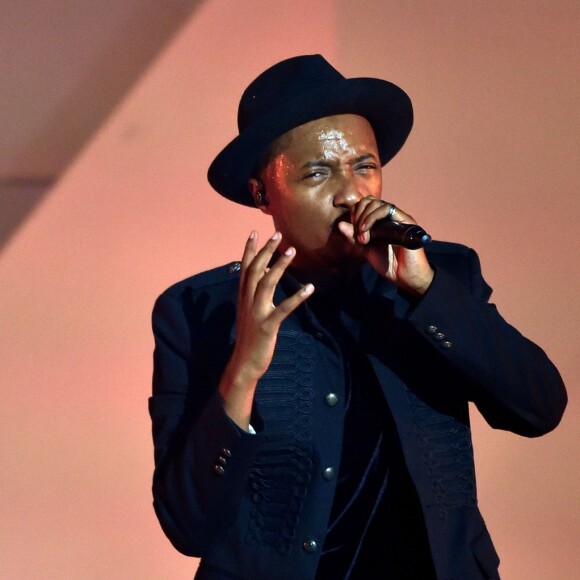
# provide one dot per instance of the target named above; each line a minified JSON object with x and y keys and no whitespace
{"x":347,"y":194}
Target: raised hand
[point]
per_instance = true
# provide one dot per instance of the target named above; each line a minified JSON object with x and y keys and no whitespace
{"x":258,"y":320}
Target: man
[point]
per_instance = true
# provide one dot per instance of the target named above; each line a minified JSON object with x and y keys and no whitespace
{"x":310,"y":404}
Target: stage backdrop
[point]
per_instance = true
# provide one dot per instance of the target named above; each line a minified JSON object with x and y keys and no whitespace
{"x":492,"y":163}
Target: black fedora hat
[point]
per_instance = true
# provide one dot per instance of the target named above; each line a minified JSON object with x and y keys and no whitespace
{"x":294,"y":92}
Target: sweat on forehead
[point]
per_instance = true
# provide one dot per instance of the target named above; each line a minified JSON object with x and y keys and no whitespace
{"x":333,"y":130}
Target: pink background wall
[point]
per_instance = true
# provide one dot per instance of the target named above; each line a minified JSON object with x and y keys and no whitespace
{"x":492,"y":162}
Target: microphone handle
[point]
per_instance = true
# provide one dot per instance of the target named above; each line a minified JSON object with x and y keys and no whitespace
{"x":409,"y":236}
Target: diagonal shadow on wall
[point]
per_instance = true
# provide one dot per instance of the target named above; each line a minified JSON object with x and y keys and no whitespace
{"x":29,"y":169}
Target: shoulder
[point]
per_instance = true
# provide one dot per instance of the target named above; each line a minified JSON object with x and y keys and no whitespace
{"x":451,"y":256}
{"x":223,"y":277}
{"x":437,"y":248}
{"x":201,"y":299}
{"x":461,"y":262}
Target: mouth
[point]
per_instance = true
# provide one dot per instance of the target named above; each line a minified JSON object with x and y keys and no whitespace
{"x":345,"y":217}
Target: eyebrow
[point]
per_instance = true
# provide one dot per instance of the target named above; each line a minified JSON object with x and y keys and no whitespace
{"x":365,"y":157}
{"x":317,"y":163}
{"x":325,"y":163}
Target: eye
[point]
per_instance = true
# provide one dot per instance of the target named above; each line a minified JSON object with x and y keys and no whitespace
{"x":366,"y":168}
{"x":315,"y":174}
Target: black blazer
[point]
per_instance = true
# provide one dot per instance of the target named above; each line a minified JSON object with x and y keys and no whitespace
{"x":218,"y":492}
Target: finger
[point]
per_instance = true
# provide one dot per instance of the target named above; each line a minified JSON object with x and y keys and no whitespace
{"x":372,"y":213}
{"x":365,"y":208}
{"x":249,"y":251}
{"x":358,"y":209}
{"x":257,"y":267}
{"x":386,"y":211}
{"x":347,"y":229}
{"x":264,"y":255}
{"x":247,"y":257}
{"x":398,"y":215}
{"x":267,"y":285}
{"x":285,"y":308}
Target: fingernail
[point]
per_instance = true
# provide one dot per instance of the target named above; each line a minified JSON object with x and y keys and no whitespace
{"x":290,"y":251}
{"x":308,"y":289}
{"x":276,"y":236}
{"x":252,"y":235}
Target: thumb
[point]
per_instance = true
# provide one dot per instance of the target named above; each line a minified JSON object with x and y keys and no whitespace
{"x":347,"y":230}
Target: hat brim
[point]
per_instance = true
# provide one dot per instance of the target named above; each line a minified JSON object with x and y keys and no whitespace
{"x":387,"y":108}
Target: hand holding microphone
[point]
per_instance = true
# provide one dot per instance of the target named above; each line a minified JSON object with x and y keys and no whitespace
{"x":410,"y":236}
{"x":392,"y":247}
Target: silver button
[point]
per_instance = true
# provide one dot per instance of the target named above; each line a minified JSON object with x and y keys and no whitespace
{"x":331,"y":399}
{"x":438,"y":336}
{"x":328,"y":473}
{"x":431,"y":329}
{"x":234,"y":267}
{"x":319,"y":335}
{"x":309,"y":546}
{"x":226,"y":452}
{"x":446,"y":344}
{"x":218,"y":470}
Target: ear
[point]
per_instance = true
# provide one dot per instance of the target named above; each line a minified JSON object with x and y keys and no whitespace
{"x":258,"y":192}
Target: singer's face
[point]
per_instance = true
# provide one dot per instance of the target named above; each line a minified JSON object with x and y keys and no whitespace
{"x":315,"y":174}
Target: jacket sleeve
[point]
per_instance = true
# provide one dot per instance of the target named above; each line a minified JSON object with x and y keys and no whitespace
{"x":201,"y":457}
{"x":509,"y":378}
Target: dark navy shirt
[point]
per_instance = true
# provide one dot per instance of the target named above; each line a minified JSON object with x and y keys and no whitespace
{"x":376,"y":528}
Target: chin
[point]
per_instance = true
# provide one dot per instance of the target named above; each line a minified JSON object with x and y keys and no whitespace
{"x":351,"y":259}
{"x":344,"y":259}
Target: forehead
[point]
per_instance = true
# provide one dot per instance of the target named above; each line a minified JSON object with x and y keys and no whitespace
{"x":337,"y":131}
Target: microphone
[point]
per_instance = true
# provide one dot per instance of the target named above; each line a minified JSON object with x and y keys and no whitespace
{"x":410,"y":236}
